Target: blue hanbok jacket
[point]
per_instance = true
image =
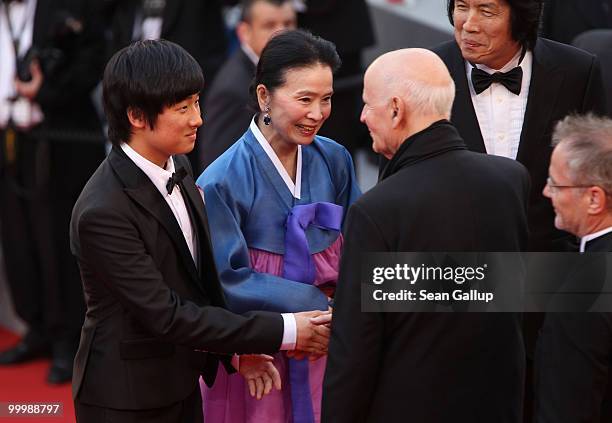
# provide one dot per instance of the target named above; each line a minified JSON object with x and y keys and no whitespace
{"x":248,"y":202}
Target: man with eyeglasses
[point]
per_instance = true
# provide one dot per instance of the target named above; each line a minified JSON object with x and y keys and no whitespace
{"x":574,"y":351}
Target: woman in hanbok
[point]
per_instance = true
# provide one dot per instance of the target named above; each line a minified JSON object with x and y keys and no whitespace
{"x":276,"y":201}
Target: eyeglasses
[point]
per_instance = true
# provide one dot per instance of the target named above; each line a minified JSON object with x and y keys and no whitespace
{"x":554,"y":187}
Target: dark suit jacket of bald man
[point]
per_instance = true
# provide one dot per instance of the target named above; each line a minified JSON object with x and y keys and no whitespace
{"x":435,"y":196}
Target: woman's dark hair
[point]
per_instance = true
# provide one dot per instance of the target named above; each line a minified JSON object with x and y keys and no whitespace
{"x":146,"y":77}
{"x":290,"y":50}
{"x":524,"y":19}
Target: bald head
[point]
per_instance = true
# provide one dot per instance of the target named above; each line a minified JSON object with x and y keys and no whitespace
{"x":416,"y":75}
{"x":404,"y":92}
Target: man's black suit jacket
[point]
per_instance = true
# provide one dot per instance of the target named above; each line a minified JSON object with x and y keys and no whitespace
{"x":573,"y":381}
{"x":226,"y":107}
{"x":564,"y":80}
{"x":195,"y":25}
{"x":148,"y":305}
{"x":435,"y":196}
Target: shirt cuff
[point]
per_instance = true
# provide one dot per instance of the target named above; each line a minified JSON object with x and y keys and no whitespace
{"x":289,"y":332}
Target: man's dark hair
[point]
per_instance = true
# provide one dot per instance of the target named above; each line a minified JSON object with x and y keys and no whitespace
{"x":246,"y":7}
{"x":290,"y":50}
{"x":524,"y":19}
{"x":146,"y":77}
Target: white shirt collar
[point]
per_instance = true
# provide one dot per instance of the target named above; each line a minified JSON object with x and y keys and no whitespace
{"x":156,"y":174}
{"x":294,"y":189}
{"x":250,"y":53}
{"x":591,"y":237}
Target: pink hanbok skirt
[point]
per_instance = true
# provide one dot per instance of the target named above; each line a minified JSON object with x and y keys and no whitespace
{"x":229,"y":401}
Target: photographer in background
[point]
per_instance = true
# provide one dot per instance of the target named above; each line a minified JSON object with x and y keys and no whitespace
{"x":51,"y":57}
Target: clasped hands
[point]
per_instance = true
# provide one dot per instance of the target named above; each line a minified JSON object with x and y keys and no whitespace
{"x":312,"y":339}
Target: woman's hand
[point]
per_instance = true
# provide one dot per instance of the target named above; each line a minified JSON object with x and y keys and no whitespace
{"x":259,"y":373}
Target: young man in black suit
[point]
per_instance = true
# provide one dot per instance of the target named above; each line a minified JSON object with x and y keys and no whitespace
{"x":513,"y":115}
{"x":139,"y":231}
{"x":574,"y":351}
{"x":434,"y":196}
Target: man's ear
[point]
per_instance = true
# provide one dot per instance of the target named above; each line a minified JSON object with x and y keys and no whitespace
{"x":136,"y":118}
{"x":398,"y":110}
{"x":598,"y":202}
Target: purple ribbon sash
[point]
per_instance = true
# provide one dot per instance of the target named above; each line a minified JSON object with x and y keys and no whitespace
{"x":299,"y":266}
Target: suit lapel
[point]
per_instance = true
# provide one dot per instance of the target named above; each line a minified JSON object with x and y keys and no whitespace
{"x":601,"y":244}
{"x":142,"y":191}
{"x":463,"y":114}
{"x":543,"y":92}
{"x":194,"y":197}
{"x":207,"y":268}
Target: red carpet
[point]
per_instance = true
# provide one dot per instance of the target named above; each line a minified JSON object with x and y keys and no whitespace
{"x":25,"y":383}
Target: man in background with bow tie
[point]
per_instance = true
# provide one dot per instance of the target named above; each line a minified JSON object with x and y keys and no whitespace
{"x":512,"y":87}
{"x":155,"y":319}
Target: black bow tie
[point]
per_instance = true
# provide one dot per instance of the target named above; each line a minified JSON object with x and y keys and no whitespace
{"x":511,"y":79}
{"x":175,"y":179}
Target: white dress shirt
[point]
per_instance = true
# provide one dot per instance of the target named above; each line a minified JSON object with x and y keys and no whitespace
{"x":23,"y":112}
{"x":159,"y":177}
{"x":501,"y":113}
{"x":592,"y":236}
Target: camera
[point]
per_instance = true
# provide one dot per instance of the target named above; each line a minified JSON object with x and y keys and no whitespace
{"x":64,"y":36}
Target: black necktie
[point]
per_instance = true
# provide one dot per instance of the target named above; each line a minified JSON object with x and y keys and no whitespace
{"x":511,"y":79}
{"x":175,"y":179}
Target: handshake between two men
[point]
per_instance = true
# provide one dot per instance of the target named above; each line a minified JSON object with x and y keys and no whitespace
{"x":312,"y":340}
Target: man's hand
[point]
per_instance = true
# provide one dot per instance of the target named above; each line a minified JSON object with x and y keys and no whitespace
{"x":30,"y":89}
{"x":312,"y":331}
{"x":260,"y":374}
